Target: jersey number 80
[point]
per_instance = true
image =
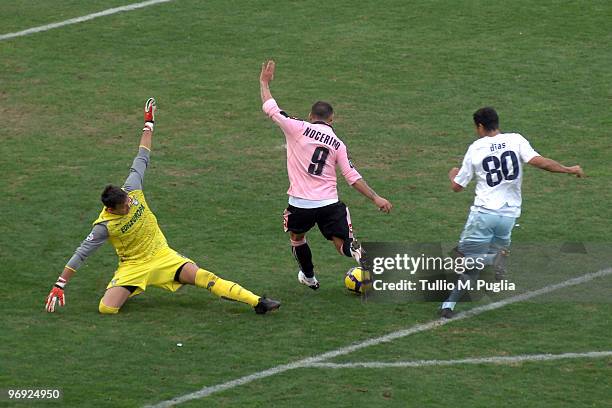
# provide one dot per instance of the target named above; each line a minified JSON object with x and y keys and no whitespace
{"x":497,"y":169}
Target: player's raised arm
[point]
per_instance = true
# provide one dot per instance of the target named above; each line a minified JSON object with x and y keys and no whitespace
{"x":95,"y":239}
{"x":290,"y":126}
{"x":266,"y":75}
{"x":547,"y":164}
{"x":135,"y":179}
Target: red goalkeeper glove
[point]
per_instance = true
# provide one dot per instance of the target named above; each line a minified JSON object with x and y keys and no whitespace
{"x":149,"y":114}
{"x":56,"y":295}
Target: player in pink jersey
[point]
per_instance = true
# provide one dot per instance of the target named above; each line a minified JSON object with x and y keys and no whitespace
{"x":313,"y":153}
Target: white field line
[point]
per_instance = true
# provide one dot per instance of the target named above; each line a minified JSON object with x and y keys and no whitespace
{"x":308,"y":362}
{"x":479,"y":360}
{"x":81,"y":19}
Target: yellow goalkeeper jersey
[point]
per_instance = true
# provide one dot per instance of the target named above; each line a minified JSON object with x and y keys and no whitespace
{"x":135,"y":236}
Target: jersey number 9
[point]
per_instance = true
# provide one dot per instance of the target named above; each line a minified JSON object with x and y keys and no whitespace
{"x":318,"y":160}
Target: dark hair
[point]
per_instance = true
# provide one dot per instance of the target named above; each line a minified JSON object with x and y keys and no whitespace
{"x":487,"y":117}
{"x":322,"y":110}
{"x":112,"y":196}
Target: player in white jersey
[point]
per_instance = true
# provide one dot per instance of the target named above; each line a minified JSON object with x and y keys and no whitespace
{"x":496,"y":160}
{"x":314,"y":151}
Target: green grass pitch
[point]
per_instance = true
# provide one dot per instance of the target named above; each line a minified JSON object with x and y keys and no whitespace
{"x":404,"y":78}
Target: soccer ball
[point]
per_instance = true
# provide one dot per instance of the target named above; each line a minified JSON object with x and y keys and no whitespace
{"x":357,"y":280}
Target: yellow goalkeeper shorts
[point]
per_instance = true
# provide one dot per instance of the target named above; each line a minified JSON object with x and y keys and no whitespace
{"x":158,"y":271}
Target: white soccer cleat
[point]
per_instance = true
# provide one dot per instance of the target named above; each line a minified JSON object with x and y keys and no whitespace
{"x":357,"y":251}
{"x":312,"y":283}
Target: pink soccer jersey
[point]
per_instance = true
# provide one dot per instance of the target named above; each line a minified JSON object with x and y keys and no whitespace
{"x":313,"y":152}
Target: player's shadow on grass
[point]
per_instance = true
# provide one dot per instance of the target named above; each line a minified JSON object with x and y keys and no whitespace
{"x":185,"y":303}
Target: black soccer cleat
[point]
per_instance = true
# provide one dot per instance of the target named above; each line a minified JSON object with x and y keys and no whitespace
{"x":447,"y":313}
{"x":266,"y":305}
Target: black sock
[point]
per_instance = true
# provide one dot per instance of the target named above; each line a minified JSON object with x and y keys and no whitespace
{"x":304,"y":257}
{"x":346,"y":248}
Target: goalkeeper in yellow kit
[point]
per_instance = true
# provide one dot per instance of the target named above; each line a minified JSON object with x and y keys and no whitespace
{"x":145,"y":259}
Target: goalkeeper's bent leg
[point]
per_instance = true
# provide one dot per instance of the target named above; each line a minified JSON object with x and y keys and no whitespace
{"x":224,"y":288}
{"x":107,"y":309}
{"x":115,"y":296}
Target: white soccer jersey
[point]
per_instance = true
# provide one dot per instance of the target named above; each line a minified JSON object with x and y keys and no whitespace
{"x":497,"y":162}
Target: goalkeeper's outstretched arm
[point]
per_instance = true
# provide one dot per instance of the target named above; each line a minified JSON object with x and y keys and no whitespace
{"x":146,"y":138}
{"x":97,"y":237}
{"x":135,"y":179}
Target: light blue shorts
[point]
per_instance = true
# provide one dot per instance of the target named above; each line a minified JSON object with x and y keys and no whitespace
{"x":485,"y":233}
